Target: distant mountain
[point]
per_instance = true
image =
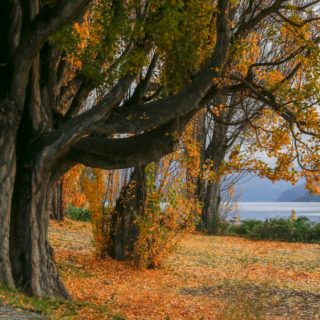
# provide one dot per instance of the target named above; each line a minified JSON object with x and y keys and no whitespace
{"x":292,"y":194}
{"x":308,"y":197}
{"x":261,"y":189}
{"x":298,"y":194}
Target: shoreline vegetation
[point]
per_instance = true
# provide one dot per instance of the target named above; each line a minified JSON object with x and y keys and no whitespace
{"x":291,"y":229}
{"x":207,"y":277}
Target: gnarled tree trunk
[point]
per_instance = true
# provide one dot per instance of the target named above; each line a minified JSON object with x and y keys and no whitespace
{"x":32,"y":258}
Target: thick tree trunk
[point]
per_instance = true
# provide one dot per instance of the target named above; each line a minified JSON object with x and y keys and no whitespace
{"x":32,"y":77}
{"x":32,"y":257}
{"x":124,"y":232}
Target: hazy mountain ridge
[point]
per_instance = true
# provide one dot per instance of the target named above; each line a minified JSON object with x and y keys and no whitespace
{"x":298,"y":194}
{"x":308,"y":197}
{"x":263,"y":190}
{"x":292,"y":194}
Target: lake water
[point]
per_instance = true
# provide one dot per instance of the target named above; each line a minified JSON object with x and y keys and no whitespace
{"x":263,"y":210}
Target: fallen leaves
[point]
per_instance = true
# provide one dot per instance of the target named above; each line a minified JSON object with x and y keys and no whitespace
{"x":222,"y":264}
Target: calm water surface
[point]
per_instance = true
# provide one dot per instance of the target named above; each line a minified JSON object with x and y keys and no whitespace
{"x":263,"y":210}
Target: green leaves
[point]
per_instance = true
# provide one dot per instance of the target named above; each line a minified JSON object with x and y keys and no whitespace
{"x":67,"y":38}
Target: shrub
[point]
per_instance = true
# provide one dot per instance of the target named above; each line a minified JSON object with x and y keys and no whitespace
{"x":78,"y":214}
{"x":160,"y":228}
{"x":245,"y":228}
{"x":281,"y":229}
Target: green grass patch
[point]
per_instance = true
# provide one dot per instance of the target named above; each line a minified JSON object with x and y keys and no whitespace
{"x":55,"y":309}
{"x":78,"y":214}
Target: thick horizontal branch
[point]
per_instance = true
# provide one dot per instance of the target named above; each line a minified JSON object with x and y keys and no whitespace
{"x":129,"y":152}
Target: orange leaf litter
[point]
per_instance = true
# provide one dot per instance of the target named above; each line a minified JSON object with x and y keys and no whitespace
{"x":200,"y":261}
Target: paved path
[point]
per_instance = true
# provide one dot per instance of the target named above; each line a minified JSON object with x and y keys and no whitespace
{"x":13,"y":313}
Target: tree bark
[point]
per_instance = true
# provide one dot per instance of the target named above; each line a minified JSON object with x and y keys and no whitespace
{"x":210,"y":193}
{"x":211,"y":209}
{"x":124,"y":232}
{"x":9,"y":121}
{"x":19,"y":49}
{"x":57,"y":210}
{"x":32,"y":258}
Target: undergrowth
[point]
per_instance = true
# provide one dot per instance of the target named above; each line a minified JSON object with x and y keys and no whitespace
{"x":279,"y":229}
{"x":78,"y":214}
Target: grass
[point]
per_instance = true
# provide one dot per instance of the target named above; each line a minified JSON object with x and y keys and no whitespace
{"x":208,"y":277}
{"x":55,"y":309}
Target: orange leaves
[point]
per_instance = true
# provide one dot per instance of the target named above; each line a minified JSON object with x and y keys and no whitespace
{"x":181,"y":289}
{"x":246,"y":52}
{"x":170,"y":205}
{"x":72,"y":189}
{"x":95,"y":188}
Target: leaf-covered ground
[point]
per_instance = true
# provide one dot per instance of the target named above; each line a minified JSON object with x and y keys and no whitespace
{"x":206,"y":278}
{"x":221,"y":278}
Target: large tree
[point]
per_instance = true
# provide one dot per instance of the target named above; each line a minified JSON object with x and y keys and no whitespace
{"x":50,"y":70}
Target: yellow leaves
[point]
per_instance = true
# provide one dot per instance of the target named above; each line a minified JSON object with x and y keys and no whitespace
{"x":246,"y":52}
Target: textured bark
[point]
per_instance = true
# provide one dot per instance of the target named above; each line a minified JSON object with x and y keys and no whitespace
{"x":8,"y":132}
{"x":23,"y":259}
{"x":124,"y":232}
{"x":31,"y":256}
{"x":210,"y":212}
{"x":57,"y":210}
{"x":215,"y":151}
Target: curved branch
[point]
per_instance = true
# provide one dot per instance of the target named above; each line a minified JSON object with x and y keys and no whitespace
{"x":129,"y":152}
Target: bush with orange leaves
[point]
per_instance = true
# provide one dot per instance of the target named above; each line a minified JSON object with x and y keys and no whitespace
{"x":170,"y":207}
{"x":102,"y":189}
{"x":72,"y":193}
{"x":169,"y":211}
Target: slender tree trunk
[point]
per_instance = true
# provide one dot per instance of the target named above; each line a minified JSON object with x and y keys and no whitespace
{"x":124,"y":232}
{"x":9,"y":121}
{"x":210,"y":193}
{"x":57,"y":210}
{"x":211,"y":208}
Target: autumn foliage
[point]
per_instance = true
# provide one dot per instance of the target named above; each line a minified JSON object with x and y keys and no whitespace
{"x":72,"y":189}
